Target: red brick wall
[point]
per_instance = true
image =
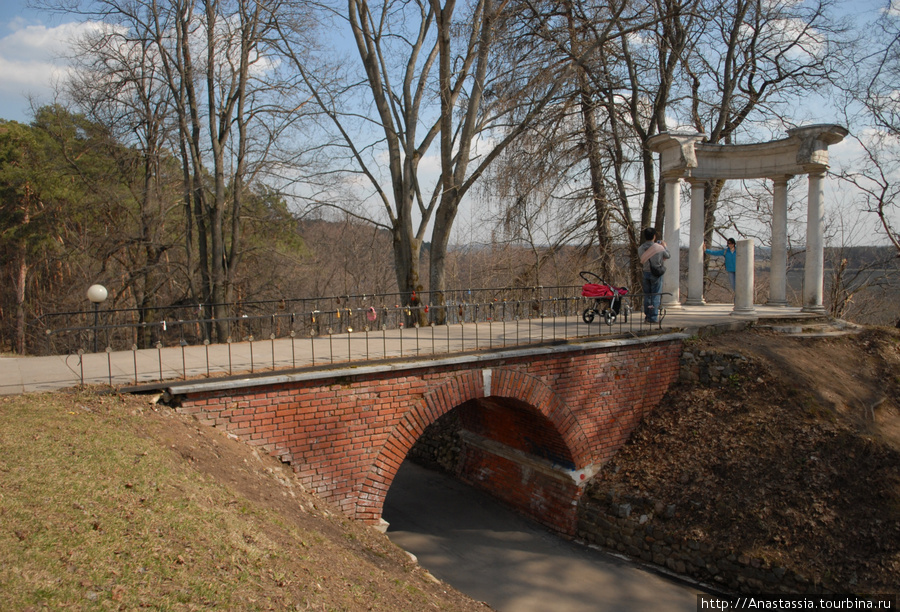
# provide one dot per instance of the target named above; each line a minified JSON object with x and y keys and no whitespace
{"x":549,"y":500}
{"x":346,"y":437}
{"x":516,"y":425}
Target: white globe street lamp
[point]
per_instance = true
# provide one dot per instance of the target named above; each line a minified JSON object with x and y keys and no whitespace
{"x":97,"y":294}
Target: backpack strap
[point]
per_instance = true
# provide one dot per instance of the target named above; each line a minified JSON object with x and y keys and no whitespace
{"x":651,"y":251}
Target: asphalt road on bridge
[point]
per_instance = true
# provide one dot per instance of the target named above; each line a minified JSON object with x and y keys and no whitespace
{"x":472,"y":542}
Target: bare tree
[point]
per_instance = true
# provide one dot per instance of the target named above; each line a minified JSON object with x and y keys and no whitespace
{"x":636,"y":86}
{"x":200,"y":77}
{"x":117,"y":82}
{"x":871,"y":106}
{"x":723,"y":67}
{"x":856,"y":273}
{"x":624,"y":58}
{"x":874,"y":179}
{"x":429,"y":71}
{"x":751,"y":62}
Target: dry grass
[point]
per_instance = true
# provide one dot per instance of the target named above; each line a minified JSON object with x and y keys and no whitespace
{"x":106,"y":503}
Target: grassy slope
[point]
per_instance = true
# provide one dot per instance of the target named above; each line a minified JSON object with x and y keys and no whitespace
{"x":108,"y":503}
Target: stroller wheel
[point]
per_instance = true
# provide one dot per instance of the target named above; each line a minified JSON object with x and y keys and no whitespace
{"x":588,"y":315}
{"x":609,"y":316}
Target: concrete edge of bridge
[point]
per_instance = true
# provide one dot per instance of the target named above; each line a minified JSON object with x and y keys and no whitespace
{"x":174,"y":389}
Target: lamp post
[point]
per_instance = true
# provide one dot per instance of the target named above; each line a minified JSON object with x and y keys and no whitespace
{"x":97,"y":294}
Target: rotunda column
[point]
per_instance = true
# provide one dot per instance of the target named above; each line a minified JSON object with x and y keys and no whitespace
{"x":695,"y":250}
{"x":778,"y":262}
{"x":743,"y":293}
{"x":814,"y":269}
{"x":671,"y":288}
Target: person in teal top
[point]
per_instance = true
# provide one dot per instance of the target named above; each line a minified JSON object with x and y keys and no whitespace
{"x":730,"y":254}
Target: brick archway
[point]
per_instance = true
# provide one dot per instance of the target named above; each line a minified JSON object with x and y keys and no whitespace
{"x":466,"y":386}
{"x":347,"y":430}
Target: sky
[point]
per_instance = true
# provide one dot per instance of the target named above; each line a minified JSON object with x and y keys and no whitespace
{"x":33,"y":43}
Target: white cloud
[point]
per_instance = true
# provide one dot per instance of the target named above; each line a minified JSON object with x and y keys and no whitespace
{"x":32,"y":60}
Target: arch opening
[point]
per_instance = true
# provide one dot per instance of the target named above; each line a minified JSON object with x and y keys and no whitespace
{"x":509,"y":450}
{"x":520,"y":443}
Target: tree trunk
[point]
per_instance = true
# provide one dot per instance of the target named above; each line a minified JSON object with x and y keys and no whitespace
{"x":711,"y":191}
{"x":407,"y":254}
{"x":440,"y":241}
{"x":606,"y":263}
{"x":21,"y":277}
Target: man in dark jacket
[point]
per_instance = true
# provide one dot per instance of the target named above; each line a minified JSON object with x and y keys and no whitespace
{"x":652,"y":253}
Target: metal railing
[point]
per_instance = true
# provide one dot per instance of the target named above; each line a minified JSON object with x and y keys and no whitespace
{"x":68,"y":332}
{"x":296,"y":333}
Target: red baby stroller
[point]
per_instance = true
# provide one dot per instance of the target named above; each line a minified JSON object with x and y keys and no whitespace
{"x":607,"y":299}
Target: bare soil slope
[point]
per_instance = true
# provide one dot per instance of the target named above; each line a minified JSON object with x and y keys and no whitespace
{"x":793,"y":458}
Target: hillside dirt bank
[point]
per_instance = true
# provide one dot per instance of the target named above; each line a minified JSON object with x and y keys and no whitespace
{"x":791,"y":457}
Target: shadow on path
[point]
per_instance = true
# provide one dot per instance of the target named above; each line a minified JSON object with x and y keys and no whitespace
{"x":475,"y":544}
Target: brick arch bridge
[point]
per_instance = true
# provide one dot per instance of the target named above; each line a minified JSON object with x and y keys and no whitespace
{"x":536,"y":423}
